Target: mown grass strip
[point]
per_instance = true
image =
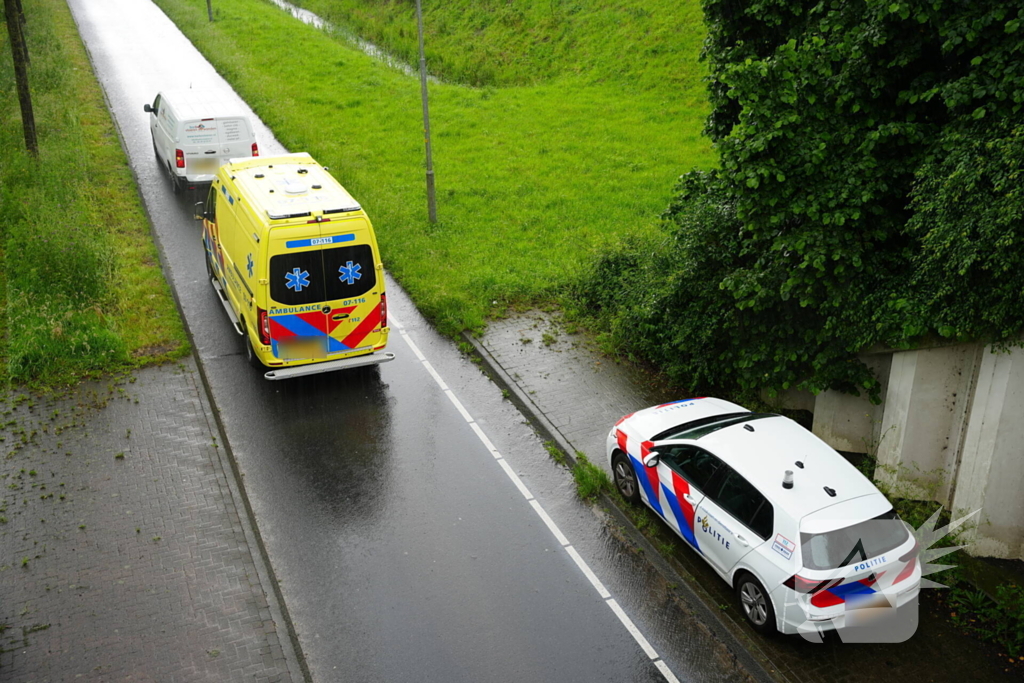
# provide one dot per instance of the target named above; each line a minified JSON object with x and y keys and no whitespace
{"x":84,"y":293}
{"x":532,"y":180}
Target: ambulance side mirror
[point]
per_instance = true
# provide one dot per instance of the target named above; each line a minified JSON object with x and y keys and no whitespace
{"x":652,"y":459}
{"x":200,"y":211}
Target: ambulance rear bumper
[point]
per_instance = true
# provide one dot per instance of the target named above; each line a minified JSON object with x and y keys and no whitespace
{"x":330,"y":366}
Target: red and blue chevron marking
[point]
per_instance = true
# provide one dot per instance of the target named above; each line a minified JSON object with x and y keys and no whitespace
{"x":316,"y":324}
{"x":651,"y":483}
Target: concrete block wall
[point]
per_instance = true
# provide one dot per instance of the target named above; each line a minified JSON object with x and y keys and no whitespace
{"x":950,"y":429}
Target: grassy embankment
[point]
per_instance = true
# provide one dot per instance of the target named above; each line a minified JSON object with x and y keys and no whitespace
{"x":559,"y":154}
{"x":82,"y":290}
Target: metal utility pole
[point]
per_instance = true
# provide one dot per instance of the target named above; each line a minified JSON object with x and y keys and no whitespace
{"x":209,"y":9}
{"x":431,"y":204}
{"x":19,"y":50}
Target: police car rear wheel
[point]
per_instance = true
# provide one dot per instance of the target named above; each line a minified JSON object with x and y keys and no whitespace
{"x":755,"y":604}
{"x":625,"y":478}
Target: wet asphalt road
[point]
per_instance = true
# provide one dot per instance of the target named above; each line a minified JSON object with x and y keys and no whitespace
{"x":402,"y":548}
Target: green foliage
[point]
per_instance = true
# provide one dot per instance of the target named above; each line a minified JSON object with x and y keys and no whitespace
{"x":590,"y":479}
{"x":868,"y":194}
{"x":641,"y":46}
{"x":82,"y":292}
{"x":1000,"y":621}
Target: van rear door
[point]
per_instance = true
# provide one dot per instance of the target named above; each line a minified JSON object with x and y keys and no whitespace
{"x":210,"y":143}
{"x":325,"y":298}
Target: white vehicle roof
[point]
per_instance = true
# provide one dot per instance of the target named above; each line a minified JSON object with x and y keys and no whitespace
{"x":777,"y":443}
{"x":763,"y":455}
{"x":201,"y":104}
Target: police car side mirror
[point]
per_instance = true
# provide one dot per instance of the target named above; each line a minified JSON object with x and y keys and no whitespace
{"x":146,"y":108}
{"x":652,"y":459}
{"x":200,"y":211}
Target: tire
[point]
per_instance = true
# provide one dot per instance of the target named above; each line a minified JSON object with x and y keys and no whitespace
{"x":250,"y":354}
{"x":625,"y":478}
{"x":175,"y":182}
{"x":755,"y":604}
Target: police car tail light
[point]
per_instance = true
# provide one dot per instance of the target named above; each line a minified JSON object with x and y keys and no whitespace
{"x":263,"y":326}
{"x":912,"y":553}
{"x":255,"y":150}
{"x":383,"y":310}
{"x":179,"y":158}
{"x":810,"y":586}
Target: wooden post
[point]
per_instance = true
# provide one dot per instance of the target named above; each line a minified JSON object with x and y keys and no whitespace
{"x":19,"y":50}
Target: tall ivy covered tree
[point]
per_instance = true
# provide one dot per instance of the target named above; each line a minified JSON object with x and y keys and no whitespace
{"x":869,"y":191}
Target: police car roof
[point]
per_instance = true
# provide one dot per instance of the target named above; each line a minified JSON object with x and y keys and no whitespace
{"x":291,"y":186}
{"x":775,"y":445}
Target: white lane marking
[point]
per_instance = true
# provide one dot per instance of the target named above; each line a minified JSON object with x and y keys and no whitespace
{"x":644,"y":644}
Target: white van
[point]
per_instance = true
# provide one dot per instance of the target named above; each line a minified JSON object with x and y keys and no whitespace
{"x":195,"y":132}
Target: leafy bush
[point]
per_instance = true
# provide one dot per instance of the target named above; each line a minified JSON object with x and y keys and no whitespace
{"x":1000,"y":621}
{"x":868,"y":194}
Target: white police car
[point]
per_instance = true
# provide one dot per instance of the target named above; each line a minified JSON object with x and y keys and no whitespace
{"x":801,"y":535}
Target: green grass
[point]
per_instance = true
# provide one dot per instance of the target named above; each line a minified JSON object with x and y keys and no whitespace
{"x":83,"y":292}
{"x":534,"y":176}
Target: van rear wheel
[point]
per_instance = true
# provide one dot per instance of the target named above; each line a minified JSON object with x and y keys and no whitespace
{"x":175,"y":181}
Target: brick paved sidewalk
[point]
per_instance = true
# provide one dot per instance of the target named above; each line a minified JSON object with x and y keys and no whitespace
{"x":123,"y":553}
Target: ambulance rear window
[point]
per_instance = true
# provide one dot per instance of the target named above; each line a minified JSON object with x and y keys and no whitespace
{"x":308,"y":277}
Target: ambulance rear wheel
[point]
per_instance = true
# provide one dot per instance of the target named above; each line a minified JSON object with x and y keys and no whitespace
{"x":250,"y":353}
{"x":755,"y":604}
{"x":625,"y":478}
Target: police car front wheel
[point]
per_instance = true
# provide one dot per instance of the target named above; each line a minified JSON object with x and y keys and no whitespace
{"x":625,"y":478}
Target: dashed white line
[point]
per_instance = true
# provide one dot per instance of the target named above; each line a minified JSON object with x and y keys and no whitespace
{"x":644,"y":644}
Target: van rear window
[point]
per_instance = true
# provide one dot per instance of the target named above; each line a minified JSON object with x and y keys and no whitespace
{"x":308,"y":277}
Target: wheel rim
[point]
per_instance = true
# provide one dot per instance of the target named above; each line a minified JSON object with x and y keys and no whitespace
{"x":755,"y":604}
{"x":624,"y":479}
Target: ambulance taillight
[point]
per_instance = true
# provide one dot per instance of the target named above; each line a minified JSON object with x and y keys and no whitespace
{"x":263,"y":326}
{"x":383,"y":310}
{"x":255,"y":150}
{"x":179,"y":158}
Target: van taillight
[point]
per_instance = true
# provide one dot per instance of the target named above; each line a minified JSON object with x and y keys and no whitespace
{"x":255,"y":150}
{"x":179,"y":158}
{"x":263,"y":326}
{"x":383,"y":310}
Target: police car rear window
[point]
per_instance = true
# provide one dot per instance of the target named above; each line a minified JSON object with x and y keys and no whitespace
{"x":698,"y":428}
{"x":308,"y":277}
{"x":855,"y":543}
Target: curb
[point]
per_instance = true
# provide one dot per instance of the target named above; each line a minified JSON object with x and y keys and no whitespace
{"x":544,"y":427}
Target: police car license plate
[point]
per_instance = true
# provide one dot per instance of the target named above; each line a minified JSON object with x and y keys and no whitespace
{"x":301,"y":348}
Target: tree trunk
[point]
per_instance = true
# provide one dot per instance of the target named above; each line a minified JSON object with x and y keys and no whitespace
{"x":19,"y":50}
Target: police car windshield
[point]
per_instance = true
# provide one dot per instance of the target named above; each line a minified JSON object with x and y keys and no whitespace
{"x":854,"y":544}
{"x":701,"y":428}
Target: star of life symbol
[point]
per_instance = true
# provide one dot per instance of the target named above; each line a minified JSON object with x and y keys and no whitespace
{"x":297,"y":280}
{"x":350,"y":273}
{"x":249,"y":264}
{"x":869,"y":611}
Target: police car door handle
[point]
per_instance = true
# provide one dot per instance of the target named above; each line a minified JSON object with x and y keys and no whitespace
{"x":689,"y":499}
{"x":739,"y":537}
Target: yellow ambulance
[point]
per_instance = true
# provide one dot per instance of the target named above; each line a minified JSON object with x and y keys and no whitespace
{"x":294,"y":261}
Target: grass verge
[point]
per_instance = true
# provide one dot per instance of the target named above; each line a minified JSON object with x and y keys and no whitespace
{"x":83,"y":292}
